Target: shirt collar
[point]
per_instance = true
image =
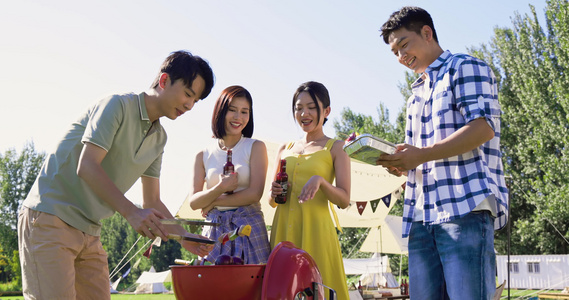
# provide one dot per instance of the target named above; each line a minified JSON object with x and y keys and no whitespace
{"x":142,"y":107}
{"x":438,"y":62}
{"x":433,"y":67}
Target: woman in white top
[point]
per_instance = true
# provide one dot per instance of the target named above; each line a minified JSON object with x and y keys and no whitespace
{"x":232,"y":126}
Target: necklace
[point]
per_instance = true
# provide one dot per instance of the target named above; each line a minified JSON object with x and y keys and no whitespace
{"x":305,"y":145}
{"x":223,"y":147}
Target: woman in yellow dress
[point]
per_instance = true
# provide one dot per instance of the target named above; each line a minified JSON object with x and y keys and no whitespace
{"x":312,"y":163}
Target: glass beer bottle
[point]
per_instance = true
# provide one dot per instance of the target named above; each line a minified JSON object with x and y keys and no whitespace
{"x":282,"y":179}
{"x":228,"y":168}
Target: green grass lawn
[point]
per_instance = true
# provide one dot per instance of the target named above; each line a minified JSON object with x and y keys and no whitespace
{"x":521,"y":294}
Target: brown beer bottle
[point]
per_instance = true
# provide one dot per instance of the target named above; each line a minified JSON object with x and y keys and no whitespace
{"x":282,"y":179}
{"x":228,"y":168}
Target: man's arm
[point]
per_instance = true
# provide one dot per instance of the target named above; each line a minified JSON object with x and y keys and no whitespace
{"x":470,"y":136}
{"x":145,"y":221}
{"x":151,"y":200}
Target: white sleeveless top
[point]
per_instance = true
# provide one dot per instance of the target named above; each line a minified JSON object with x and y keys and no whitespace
{"x":214,"y":159}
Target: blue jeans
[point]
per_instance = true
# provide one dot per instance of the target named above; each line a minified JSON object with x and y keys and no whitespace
{"x":453,"y":260}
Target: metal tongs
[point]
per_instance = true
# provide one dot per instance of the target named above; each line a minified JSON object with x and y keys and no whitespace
{"x":186,"y":222}
{"x":178,"y":237}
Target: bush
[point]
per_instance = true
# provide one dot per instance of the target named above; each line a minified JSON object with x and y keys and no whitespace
{"x":16,"y":270}
{"x":10,"y":287}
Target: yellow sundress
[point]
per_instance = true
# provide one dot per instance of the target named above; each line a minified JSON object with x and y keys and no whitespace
{"x":309,"y":225}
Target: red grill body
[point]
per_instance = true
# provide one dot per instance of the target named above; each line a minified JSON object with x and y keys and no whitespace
{"x":289,"y":270}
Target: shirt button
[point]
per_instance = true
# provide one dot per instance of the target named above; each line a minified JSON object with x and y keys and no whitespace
{"x":412,"y":203}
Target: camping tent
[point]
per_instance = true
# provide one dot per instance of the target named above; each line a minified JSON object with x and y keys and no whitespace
{"x":386,"y":238}
{"x":369,"y":184}
{"x":374,"y":264}
{"x":153,"y":283}
{"x":114,"y":286}
{"x":375,"y":271}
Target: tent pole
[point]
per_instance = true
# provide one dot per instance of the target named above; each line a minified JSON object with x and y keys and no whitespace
{"x":400,"y":266}
{"x":380,"y":253}
{"x":380,"y":241}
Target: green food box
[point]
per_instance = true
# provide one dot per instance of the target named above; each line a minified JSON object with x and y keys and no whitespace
{"x":367,"y":148}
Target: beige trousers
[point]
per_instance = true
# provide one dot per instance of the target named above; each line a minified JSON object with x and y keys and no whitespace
{"x":59,"y":261}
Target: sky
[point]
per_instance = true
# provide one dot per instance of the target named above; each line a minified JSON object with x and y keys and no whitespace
{"x":59,"y":57}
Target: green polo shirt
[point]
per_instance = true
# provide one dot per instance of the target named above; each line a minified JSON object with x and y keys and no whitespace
{"x":120,"y":125}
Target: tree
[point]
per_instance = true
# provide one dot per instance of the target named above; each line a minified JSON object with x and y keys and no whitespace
{"x":351,"y":241}
{"x":360,"y":123}
{"x":122,"y":243}
{"x":4,"y":262}
{"x":531,"y":66}
{"x":17,"y":175}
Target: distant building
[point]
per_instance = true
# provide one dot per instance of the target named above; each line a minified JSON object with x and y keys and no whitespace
{"x":534,"y":271}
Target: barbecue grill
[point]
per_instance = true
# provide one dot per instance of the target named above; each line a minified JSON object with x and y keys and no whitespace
{"x":290,"y":273}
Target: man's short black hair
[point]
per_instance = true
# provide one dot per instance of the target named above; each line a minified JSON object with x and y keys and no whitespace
{"x":412,"y":18}
{"x":186,"y":66}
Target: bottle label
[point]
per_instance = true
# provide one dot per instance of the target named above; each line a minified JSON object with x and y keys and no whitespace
{"x":284,"y":185}
{"x":228,"y":170}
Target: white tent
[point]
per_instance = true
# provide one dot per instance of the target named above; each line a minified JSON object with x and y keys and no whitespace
{"x":114,"y":286}
{"x":386,"y":238}
{"x":375,"y":271}
{"x":369,"y":183}
{"x":153,"y":283}
{"x":354,"y":266}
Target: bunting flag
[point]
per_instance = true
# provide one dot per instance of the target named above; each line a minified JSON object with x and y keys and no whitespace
{"x":148,"y":251}
{"x":361,"y":206}
{"x":396,"y":194}
{"x":387,"y":200}
{"x":126,"y":273}
{"x":157,"y":242}
{"x":115,"y":284}
{"x":374,"y":204}
{"x":135,"y":266}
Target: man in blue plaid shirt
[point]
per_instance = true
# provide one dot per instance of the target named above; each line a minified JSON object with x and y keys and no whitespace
{"x":456,"y":194}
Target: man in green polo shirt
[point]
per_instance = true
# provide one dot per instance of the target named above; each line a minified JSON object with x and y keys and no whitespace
{"x":114,"y":143}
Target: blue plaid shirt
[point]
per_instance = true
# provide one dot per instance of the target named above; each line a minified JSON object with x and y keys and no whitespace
{"x":454,"y":90}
